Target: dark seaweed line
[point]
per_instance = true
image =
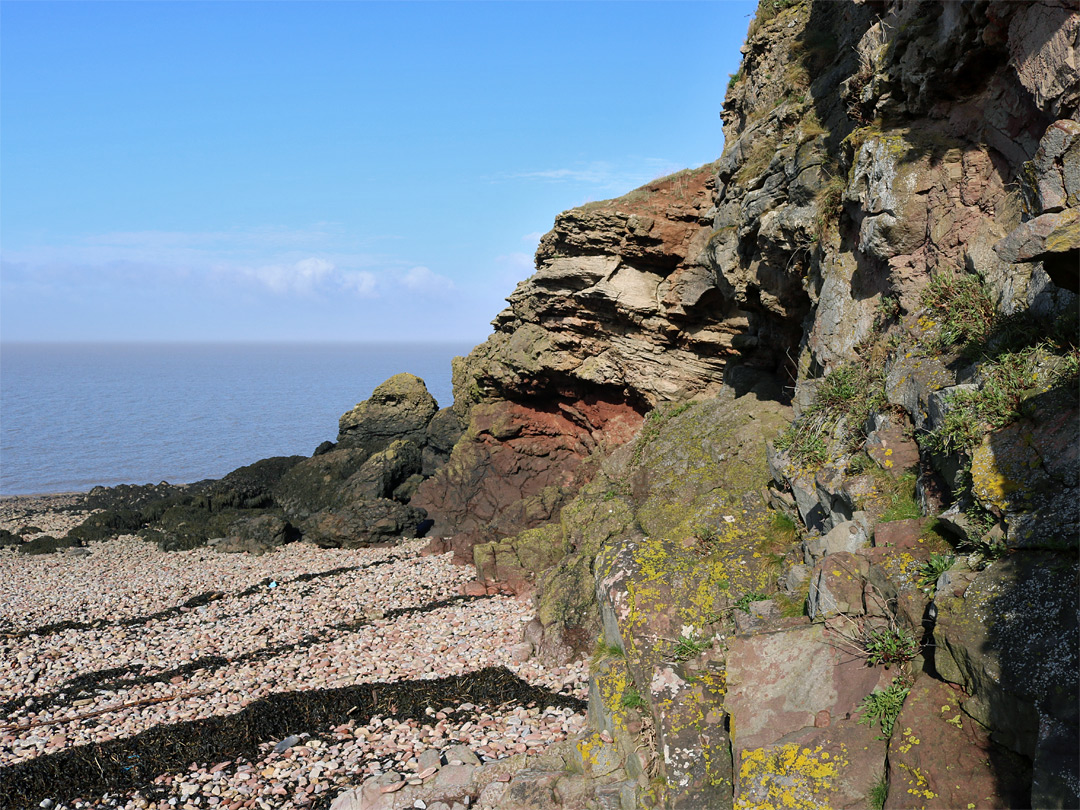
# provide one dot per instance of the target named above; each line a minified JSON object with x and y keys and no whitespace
{"x":133,"y":763}
{"x":114,"y":678}
{"x":194,"y":602}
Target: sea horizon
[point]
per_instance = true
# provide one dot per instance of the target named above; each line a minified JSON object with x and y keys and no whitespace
{"x":80,"y":414}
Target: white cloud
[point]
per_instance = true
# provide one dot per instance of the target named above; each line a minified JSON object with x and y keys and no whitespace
{"x":532,"y":238}
{"x":305,"y":276}
{"x":360,"y":282}
{"x":422,"y":279}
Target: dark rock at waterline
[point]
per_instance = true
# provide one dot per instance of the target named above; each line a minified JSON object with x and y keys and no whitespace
{"x":314,"y":483}
{"x":133,"y":497}
{"x":351,"y":493}
{"x":249,"y":487}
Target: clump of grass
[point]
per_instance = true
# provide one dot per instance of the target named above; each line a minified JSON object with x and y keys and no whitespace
{"x":743,"y":602}
{"x":791,"y":607}
{"x":933,"y":568}
{"x":1007,"y":382}
{"x":844,"y":399}
{"x":605,"y":652}
{"x":963,"y":306}
{"x":830,"y":205}
{"x":892,"y":646}
{"x":632,"y":699}
{"x":652,"y":426}
{"x":688,"y":646}
{"x":734,"y":78}
{"x":887,"y":311}
{"x":757,"y":160}
{"x":879,"y":793}
{"x":882,"y":706}
{"x":707,"y":537}
{"x":901,"y":494}
{"x":860,"y":463}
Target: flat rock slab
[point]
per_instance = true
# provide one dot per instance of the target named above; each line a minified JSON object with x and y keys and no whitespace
{"x":781,"y":682}
{"x":940,"y":757}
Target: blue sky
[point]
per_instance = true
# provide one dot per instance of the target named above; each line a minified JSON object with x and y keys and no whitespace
{"x":326,"y":171}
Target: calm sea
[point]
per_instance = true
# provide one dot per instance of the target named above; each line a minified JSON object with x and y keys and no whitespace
{"x":73,"y":416}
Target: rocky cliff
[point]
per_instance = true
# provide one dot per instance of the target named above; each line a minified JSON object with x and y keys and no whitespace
{"x":788,"y":443}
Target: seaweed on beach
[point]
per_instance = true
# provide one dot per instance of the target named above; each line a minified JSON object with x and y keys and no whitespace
{"x":133,"y":763}
{"x":201,"y":599}
{"x":117,"y":678}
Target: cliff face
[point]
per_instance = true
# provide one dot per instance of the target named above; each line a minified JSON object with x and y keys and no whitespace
{"x":623,"y":313}
{"x":795,"y":435}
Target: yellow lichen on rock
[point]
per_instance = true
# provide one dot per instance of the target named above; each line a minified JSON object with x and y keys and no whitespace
{"x":787,"y":777}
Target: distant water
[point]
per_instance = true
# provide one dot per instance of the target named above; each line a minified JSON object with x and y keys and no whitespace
{"x":73,"y":416}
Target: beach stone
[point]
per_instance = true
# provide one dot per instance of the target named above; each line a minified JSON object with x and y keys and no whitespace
{"x":430,"y":758}
{"x":286,"y":744}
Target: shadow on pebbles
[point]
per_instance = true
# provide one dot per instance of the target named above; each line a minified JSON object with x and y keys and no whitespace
{"x":139,"y":678}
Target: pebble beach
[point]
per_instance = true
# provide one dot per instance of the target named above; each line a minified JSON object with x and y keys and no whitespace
{"x":120,"y":639}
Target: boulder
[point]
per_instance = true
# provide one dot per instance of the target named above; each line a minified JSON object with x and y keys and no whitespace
{"x":256,"y":535}
{"x":400,"y":408}
{"x":315,"y":484}
{"x":381,"y":474}
{"x":366,"y":523}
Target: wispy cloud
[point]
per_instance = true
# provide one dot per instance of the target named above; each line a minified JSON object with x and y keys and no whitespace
{"x":601,"y":175}
{"x":316,"y":261}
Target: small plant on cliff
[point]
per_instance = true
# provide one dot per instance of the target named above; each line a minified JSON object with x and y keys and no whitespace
{"x":652,"y":426}
{"x":882,"y":707}
{"x":830,"y":204}
{"x":632,"y":699}
{"x":887,"y":311}
{"x":933,"y":568}
{"x":902,"y":504}
{"x":963,"y":306}
{"x":843,"y":402}
{"x":879,"y":793}
{"x":688,"y":645}
{"x":743,"y":602}
{"x":605,"y":652}
{"x":707,"y":537}
{"x":892,"y":646}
